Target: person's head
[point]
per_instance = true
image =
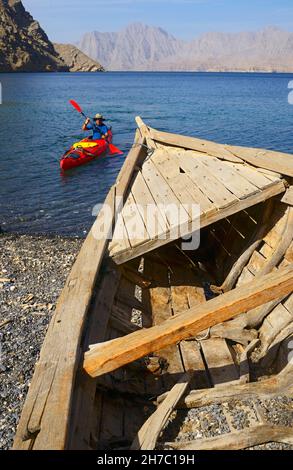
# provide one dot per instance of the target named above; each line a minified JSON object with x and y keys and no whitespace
{"x":99,"y":120}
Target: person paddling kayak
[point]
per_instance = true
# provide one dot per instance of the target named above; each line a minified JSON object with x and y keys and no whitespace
{"x":100,"y":130}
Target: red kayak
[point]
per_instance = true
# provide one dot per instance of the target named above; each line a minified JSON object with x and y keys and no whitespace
{"x":84,"y":152}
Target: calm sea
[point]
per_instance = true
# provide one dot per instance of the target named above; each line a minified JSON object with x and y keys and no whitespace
{"x":38,"y":125}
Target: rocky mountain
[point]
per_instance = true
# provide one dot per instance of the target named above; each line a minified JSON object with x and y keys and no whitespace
{"x":76,"y":60}
{"x":138,"y":47}
{"x":141,"y":47}
{"x":24,"y":46}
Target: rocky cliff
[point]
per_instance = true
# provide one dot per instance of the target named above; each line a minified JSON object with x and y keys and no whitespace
{"x":76,"y":60}
{"x":24,"y":46}
{"x":140,"y":47}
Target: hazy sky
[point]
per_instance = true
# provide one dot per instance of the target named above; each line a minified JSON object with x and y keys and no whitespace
{"x":67,"y":20}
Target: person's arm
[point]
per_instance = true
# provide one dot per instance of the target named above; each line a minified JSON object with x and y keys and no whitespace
{"x":105,"y":132}
{"x":86,"y":125}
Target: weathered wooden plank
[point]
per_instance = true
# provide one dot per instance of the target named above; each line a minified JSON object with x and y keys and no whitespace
{"x":147,"y":436}
{"x":134,"y":223}
{"x":109,"y":356}
{"x":220,"y":363}
{"x":253,"y":175}
{"x":183,"y":297}
{"x":288,"y":197}
{"x":271,"y":175}
{"x":237,"y":440}
{"x":278,"y":223}
{"x":275,"y":322}
{"x":84,"y":401}
{"x":185,"y":189}
{"x":144,"y":130}
{"x":268,"y":159}
{"x":162,"y":311}
{"x":120,"y":240}
{"x":162,"y":193}
{"x":134,"y":158}
{"x":144,"y":199}
{"x":192,"y":143}
{"x":265,"y":389}
{"x":232,"y":180}
{"x":206,"y":181}
{"x":256,"y":262}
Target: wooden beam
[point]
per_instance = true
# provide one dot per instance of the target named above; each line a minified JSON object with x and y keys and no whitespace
{"x":111,"y":355}
{"x":237,"y":440}
{"x":268,"y":159}
{"x":144,"y":130}
{"x":193,"y":143}
{"x":134,"y":157}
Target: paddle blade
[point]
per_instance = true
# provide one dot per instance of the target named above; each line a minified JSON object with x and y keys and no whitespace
{"x":76,"y":106}
{"x":114,"y":150}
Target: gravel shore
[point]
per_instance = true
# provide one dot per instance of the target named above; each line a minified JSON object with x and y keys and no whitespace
{"x":33,"y":270}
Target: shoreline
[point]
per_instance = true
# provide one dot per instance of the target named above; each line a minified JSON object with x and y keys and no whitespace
{"x":33,"y":270}
{"x":234,"y":72}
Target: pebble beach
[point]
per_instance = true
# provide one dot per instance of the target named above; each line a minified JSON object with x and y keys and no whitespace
{"x":33,"y":270}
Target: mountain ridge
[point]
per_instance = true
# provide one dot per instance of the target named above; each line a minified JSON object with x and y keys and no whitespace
{"x":144,"y":47}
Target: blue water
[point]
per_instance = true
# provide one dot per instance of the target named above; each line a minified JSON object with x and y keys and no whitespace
{"x":38,"y":124}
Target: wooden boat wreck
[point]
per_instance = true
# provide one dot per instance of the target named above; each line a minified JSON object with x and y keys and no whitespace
{"x":144,"y":327}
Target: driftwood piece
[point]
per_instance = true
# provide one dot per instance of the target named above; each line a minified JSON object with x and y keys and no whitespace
{"x":276,"y":322}
{"x":147,"y":436}
{"x":242,"y":261}
{"x":111,"y":355}
{"x":244,"y":361}
{"x":282,"y":384}
{"x":271,"y":354}
{"x":249,"y":437}
{"x":283,"y":245}
{"x":254,"y":318}
{"x":234,"y":330}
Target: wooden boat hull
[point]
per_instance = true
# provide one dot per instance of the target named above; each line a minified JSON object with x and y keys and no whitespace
{"x":114,"y":291}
